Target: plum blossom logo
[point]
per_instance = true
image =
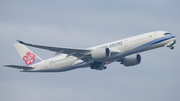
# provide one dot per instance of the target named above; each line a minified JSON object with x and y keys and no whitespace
{"x":29,"y":58}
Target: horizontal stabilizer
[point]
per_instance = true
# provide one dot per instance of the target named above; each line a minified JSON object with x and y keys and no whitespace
{"x":18,"y":67}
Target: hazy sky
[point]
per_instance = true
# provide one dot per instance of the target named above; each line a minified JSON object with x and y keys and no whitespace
{"x":83,"y":24}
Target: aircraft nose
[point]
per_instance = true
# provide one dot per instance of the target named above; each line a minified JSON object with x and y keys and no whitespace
{"x":175,"y":38}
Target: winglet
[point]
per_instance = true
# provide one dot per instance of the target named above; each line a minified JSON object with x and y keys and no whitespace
{"x":19,"y":41}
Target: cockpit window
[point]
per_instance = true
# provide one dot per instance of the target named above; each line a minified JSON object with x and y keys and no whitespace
{"x":167,"y":33}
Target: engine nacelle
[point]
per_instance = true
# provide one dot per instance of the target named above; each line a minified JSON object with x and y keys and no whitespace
{"x":101,"y":54}
{"x":131,"y":60}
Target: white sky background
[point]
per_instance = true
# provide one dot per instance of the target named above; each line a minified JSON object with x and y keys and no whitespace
{"x":82,"y":24}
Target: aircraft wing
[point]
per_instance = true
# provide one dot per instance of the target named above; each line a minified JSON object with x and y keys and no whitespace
{"x":18,"y":67}
{"x":79,"y":53}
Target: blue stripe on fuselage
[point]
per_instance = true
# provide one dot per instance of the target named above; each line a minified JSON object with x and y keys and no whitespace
{"x":157,"y":41}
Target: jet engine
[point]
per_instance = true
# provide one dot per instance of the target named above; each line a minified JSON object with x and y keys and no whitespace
{"x":101,"y":54}
{"x":131,"y":60}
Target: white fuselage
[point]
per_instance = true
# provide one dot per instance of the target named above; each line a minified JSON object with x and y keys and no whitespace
{"x":122,"y":48}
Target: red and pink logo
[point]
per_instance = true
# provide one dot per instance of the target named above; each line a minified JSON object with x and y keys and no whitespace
{"x":29,"y":58}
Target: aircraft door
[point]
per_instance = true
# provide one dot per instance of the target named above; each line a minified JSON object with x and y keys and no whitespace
{"x":46,"y":64}
{"x":126,"y":43}
{"x":155,"y":36}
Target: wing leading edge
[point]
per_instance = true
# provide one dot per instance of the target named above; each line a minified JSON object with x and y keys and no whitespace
{"x":79,"y":53}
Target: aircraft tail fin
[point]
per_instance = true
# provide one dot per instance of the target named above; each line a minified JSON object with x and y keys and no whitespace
{"x":27,"y":55}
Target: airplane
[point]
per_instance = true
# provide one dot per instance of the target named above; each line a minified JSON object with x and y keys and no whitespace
{"x":125,"y":51}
